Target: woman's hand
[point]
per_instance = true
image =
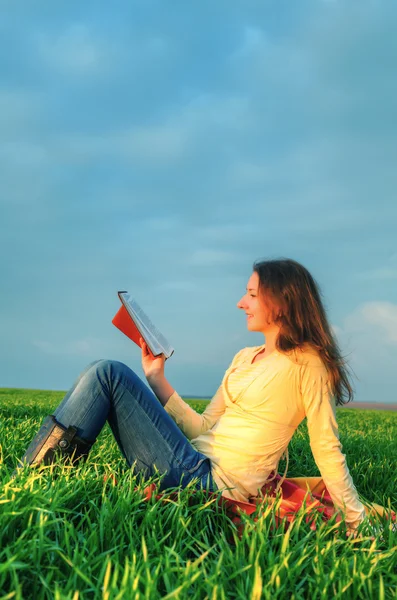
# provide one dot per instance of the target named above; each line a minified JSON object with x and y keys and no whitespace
{"x":153,"y":366}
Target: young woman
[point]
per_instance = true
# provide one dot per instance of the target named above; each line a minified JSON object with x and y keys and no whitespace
{"x":236,"y":444}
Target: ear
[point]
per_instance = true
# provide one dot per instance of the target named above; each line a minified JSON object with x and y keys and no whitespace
{"x":278,"y":316}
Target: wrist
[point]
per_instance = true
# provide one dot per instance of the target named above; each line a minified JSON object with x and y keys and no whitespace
{"x":161,"y":388}
{"x":155,"y":379}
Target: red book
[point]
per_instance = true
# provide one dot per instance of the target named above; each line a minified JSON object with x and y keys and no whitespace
{"x":123,"y":321}
{"x":134,"y":323}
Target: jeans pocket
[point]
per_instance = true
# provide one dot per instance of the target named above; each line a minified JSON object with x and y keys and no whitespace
{"x":198,"y":465}
{"x":182,"y":476}
{"x":203,"y":480}
{"x":207,"y":482}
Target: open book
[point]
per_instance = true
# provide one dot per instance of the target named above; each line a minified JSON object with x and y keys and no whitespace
{"x":134,"y":323}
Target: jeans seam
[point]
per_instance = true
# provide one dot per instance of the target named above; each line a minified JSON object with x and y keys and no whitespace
{"x":96,"y":396}
{"x":82,"y":418}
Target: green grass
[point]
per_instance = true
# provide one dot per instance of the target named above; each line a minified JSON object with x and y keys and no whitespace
{"x":67,"y":533}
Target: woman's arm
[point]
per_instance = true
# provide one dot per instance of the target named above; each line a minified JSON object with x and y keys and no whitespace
{"x":319,"y":406}
{"x":188,"y":420}
{"x":161,"y":387}
{"x":191,"y":422}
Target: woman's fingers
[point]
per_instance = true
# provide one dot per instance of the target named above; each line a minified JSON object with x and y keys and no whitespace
{"x":145,"y":348}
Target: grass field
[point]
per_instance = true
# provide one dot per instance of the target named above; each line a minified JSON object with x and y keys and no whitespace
{"x":67,"y":533}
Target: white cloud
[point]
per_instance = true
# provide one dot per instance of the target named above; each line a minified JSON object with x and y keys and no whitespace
{"x":153,"y":144}
{"x":384,"y":316}
{"x":245,"y":173}
{"x":20,"y":111}
{"x":338,"y":331}
{"x":384,"y":272}
{"x":368,"y":341}
{"x":74,"y":50}
{"x":253,"y":39}
{"x":183,"y":130}
{"x":378,"y":320}
{"x":381,"y":273}
{"x":163,"y":142}
{"x":26,"y":154}
{"x":186,"y":129}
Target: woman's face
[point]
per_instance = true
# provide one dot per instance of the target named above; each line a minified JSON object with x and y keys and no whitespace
{"x":259,"y":315}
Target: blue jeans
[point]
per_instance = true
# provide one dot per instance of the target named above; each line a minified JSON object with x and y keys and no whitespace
{"x":147,"y":436}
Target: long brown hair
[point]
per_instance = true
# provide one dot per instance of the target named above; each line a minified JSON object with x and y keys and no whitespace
{"x":302,"y":317}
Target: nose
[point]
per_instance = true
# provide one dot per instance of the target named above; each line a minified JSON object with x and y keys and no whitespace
{"x":240,"y":303}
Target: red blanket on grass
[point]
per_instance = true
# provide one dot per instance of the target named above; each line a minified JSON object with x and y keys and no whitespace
{"x":297,"y":492}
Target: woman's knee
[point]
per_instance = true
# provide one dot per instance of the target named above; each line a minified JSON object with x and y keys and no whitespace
{"x":110,"y":367}
{"x":99,"y":370}
{"x":110,"y":372}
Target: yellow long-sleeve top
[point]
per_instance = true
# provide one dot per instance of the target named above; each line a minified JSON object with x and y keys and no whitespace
{"x":248,"y":424}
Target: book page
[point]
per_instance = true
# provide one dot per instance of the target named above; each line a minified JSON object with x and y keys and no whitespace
{"x":157,"y":343}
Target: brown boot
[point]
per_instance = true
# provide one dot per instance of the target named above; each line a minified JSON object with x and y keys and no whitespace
{"x":54,"y":440}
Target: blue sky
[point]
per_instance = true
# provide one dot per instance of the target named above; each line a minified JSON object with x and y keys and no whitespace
{"x":163,"y":147}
